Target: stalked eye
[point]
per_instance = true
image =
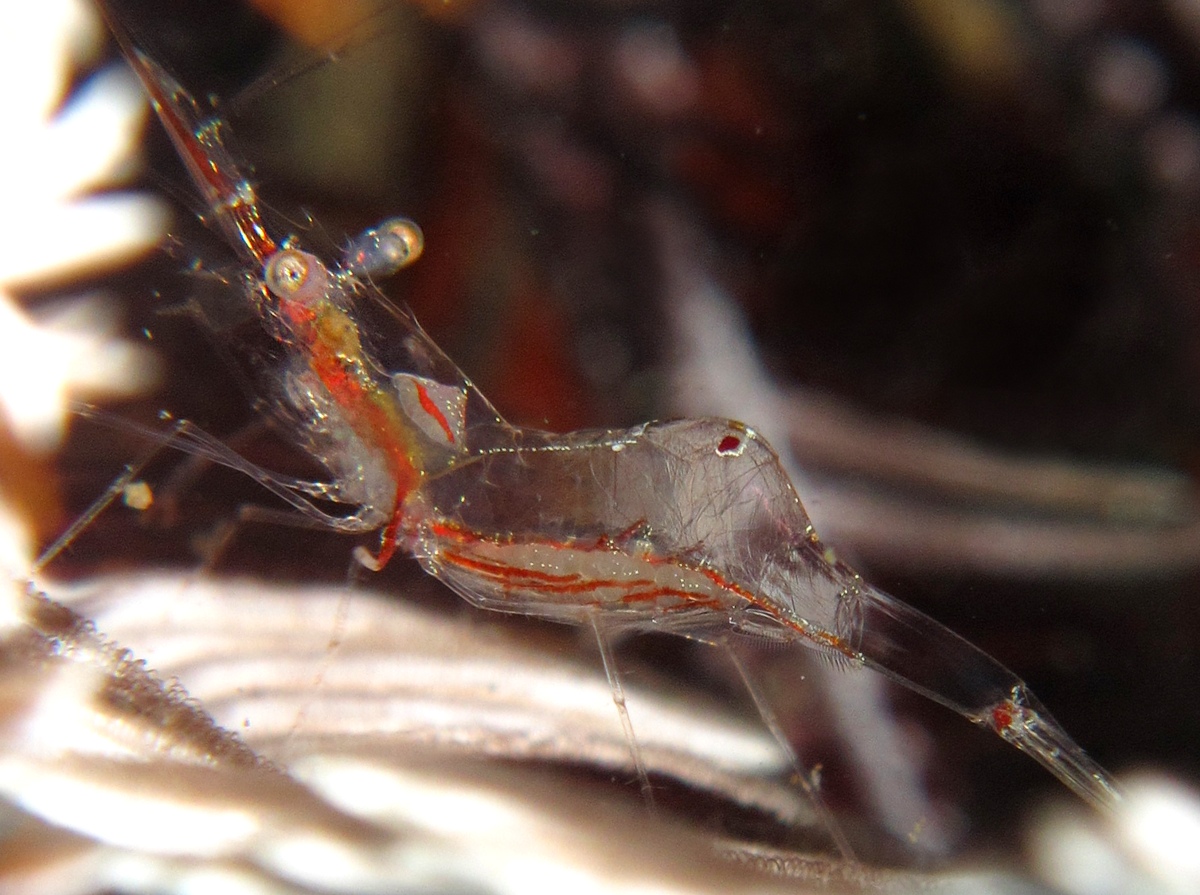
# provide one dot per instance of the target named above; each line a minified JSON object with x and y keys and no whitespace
{"x":383,"y":250}
{"x":296,"y":276}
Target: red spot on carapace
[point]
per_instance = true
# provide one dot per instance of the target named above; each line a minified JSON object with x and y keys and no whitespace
{"x":428,"y":405}
{"x":729,"y":444}
{"x":1002,"y":717}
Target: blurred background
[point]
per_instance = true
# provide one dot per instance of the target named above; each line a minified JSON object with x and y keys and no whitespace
{"x":944,"y":254}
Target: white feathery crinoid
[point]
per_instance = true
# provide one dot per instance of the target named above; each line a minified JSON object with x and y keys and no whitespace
{"x":59,"y":152}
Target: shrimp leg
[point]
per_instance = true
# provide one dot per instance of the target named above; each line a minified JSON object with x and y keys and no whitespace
{"x":618,"y":697}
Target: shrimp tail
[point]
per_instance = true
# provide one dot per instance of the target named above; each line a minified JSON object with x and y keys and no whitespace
{"x":923,"y":655}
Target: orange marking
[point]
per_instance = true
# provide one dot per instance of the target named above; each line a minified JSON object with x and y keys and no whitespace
{"x":518,"y":576}
{"x":690,"y":598}
{"x":729,"y":444}
{"x":372,"y":424}
{"x":567,"y":584}
{"x":1002,"y":717}
{"x":434,"y":411}
{"x":614,"y":544}
{"x":297,"y":313}
{"x":447,"y":530}
{"x":388,"y":543}
{"x":719,"y":581}
{"x":202,"y":163}
{"x":503,"y":570}
{"x":576,"y":584}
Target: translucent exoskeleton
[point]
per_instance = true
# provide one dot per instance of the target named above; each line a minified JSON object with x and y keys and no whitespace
{"x":689,"y":527}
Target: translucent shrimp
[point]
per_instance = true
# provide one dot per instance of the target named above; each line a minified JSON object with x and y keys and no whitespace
{"x":690,"y":527}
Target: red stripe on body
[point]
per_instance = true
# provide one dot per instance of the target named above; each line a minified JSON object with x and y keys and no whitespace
{"x":544,"y":582}
{"x":644,"y":590}
{"x":503,"y":570}
{"x":428,"y":405}
{"x":375,"y":427}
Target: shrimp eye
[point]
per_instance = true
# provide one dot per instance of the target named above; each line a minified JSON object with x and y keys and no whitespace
{"x":383,"y":250}
{"x":406,"y":238}
{"x":296,"y":276}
